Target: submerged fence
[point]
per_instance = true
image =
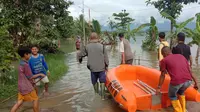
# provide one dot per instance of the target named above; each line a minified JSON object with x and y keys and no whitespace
{"x":146,"y":62}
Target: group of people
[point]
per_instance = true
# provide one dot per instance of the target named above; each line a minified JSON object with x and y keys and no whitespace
{"x":177,"y":63}
{"x":98,"y":61}
{"x":32,"y":69}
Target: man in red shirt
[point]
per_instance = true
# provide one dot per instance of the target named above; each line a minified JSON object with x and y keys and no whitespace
{"x":181,"y":77}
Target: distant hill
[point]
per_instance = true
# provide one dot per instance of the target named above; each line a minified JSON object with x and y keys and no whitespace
{"x":165,"y":26}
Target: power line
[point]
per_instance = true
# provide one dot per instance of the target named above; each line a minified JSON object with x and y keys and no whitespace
{"x":136,"y":10}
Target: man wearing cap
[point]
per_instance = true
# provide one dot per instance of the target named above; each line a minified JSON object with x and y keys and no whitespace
{"x":182,"y":48}
{"x":125,"y":50}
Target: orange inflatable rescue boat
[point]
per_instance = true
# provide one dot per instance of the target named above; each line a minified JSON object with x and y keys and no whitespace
{"x":133,"y":88}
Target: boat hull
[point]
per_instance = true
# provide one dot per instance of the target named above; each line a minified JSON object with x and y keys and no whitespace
{"x":123,"y":82}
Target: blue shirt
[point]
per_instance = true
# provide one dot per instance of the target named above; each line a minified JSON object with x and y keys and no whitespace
{"x":38,"y":64}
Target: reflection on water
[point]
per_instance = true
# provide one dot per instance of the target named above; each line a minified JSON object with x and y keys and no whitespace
{"x":74,"y":92}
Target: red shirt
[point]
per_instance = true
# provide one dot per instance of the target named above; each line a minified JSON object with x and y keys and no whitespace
{"x":177,"y":67}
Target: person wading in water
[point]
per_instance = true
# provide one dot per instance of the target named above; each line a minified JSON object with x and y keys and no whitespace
{"x":78,"y":47}
{"x":97,"y":62}
{"x":125,"y":50}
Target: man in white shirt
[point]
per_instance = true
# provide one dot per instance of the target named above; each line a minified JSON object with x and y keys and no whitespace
{"x":125,"y":50}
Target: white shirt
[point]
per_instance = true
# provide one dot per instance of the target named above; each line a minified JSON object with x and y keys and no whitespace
{"x":121,"y":46}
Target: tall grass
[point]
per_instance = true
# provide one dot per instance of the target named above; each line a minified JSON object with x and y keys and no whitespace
{"x":57,"y":66}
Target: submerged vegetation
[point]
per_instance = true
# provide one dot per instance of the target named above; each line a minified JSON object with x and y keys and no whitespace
{"x":151,"y":35}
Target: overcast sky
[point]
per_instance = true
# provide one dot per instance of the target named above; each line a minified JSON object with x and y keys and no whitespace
{"x":103,"y":9}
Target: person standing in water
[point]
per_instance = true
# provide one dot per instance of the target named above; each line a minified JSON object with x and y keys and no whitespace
{"x":97,"y":62}
{"x":163,"y":43}
{"x":182,"y":48}
{"x":78,"y":47}
{"x":125,"y":50}
{"x":181,"y":78}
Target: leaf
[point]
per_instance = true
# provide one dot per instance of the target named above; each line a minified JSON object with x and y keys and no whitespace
{"x":140,"y":27}
{"x":153,"y":21}
{"x":96,"y":26}
{"x":193,"y":42}
{"x":183,"y":24}
{"x":166,"y":15}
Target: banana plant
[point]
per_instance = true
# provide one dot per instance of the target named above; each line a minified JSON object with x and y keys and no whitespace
{"x":195,"y":34}
{"x":128,"y":33}
{"x":96,"y":26}
{"x":179,"y":27}
{"x":150,"y":41}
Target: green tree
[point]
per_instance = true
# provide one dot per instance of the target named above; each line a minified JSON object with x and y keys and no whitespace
{"x":64,"y":22}
{"x":78,"y":27}
{"x":171,"y":7}
{"x":123,"y":20}
{"x":195,"y":34}
{"x":26,"y":22}
{"x":24,"y":16}
{"x":111,"y":24}
{"x":96,"y":27}
{"x":179,"y":27}
{"x":7,"y":52}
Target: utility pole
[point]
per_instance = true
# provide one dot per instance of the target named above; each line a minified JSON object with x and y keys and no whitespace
{"x":83,"y":26}
{"x":89,"y":23}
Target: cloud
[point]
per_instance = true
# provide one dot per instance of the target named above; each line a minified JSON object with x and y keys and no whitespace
{"x":103,"y":9}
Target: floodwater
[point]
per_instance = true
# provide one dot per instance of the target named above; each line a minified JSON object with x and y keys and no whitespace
{"x":74,"y":91}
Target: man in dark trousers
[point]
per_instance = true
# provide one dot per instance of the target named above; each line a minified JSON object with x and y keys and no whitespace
{"x":97,"y":62}
{"x":182,"y":48}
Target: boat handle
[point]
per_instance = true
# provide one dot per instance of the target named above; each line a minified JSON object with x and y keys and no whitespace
{"x":112,"y":85}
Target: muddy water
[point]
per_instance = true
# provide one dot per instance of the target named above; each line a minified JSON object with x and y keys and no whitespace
{"x":74,"y":92}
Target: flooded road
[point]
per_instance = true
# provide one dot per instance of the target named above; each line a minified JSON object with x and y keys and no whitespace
{"x":74,"y":91}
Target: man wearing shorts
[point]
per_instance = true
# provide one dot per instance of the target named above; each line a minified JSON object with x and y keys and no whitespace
{"x":181,"y":78}
{"x":26,"y":91}
{"x":97,"y":62}
{"x":38,"y":65}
